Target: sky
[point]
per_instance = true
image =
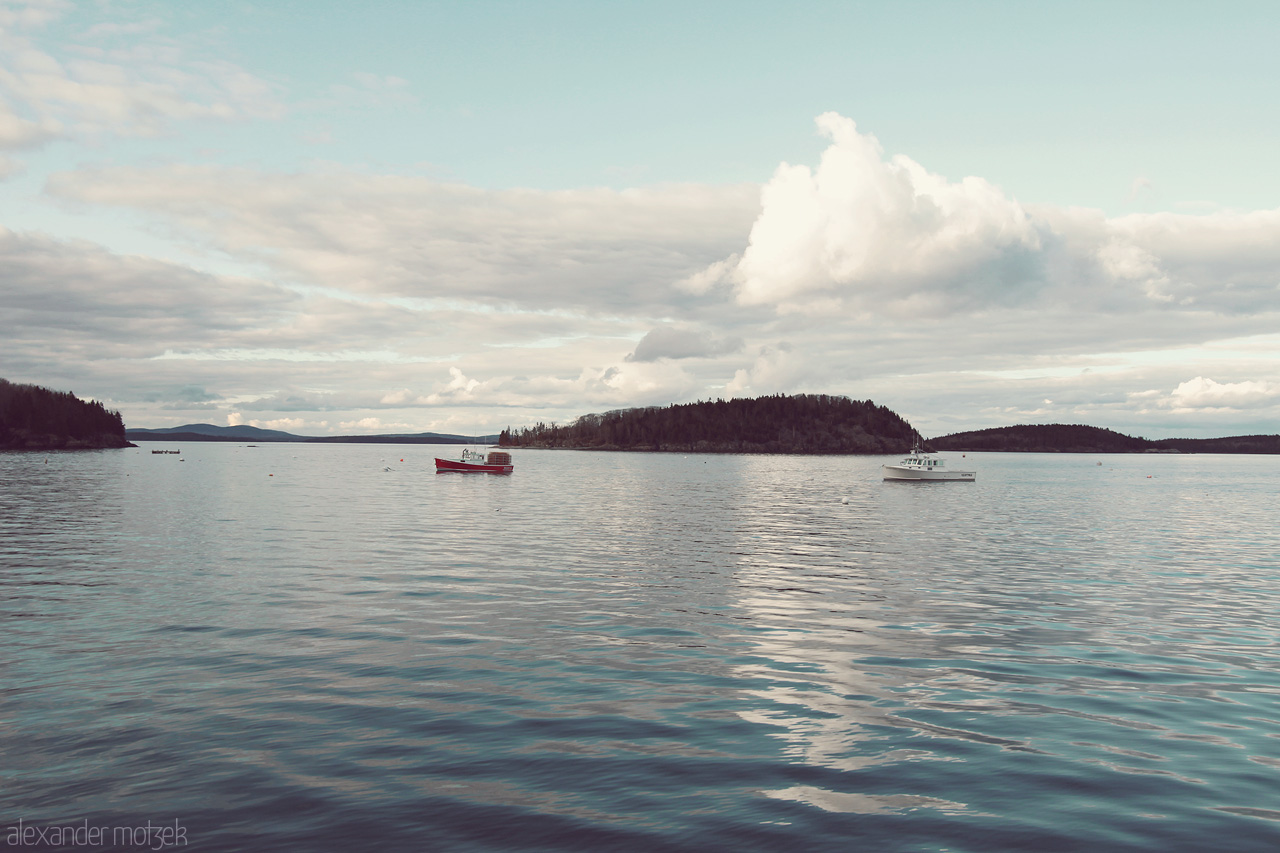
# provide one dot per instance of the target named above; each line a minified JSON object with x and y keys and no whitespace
{"x":395,"y":217}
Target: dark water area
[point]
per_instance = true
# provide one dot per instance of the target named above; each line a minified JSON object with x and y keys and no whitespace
{"x":302,"y":647}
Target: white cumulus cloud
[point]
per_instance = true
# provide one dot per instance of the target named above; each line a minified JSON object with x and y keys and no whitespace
{"x":869,"y":236}
{"x":1203,"y":393}
{"x":877,"y":231}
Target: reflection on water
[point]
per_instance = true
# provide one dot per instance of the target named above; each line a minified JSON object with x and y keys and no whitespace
{"x":330,"y":646}
{"x":1108,"y":625}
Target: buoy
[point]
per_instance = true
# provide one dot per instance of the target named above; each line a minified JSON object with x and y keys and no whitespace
{"x":844,"y":500}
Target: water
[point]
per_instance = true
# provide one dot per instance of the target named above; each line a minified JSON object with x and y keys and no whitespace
{"x":291,"y":647}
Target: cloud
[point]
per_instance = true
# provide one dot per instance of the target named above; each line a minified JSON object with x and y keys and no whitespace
{"x":371,"y":425}
{"x":1139,"y":186}
{"x":87,"y":302}
{"x":120,"y":79}
{"x":369,"y":89}
{"x":168,"y":339}
{"x":296,"y":401}
{"x":865,"y":236}
{"x":714,"y":275}
{"x":116,"y":29}
{"x":882,"y":234}
{"x":400,"y":398}
{"x":1226,"y":262}
{"x":8,"y":166}
{"x":674,"y":343}
{"x":184,"y":395}
{"x":1202,"y":393}
{"x":188,"y":407}
{"x":776,"y":369}
{"x":285,"y":424}
{"x":1122,"y":260}
{"x":459,"y":389}
{"x":398,"y":236}
{"x":18,"y":132}
{"x":32,"y":14}
{"x":598,"y":387}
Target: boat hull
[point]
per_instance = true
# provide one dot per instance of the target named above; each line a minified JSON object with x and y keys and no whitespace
{"x":471,"y":467}
{"x":915,"y":475}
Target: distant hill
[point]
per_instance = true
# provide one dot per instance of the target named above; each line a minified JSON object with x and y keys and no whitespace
{"x":1232,"y":444}
{"x":1075,"y":438}
{"x":244,"y":432}
{"x":211,"y":432}
{"x":405,"y":438}
{"x":1044,"y":438}
{"x":36,"y":418}
{"x":805,"y":423}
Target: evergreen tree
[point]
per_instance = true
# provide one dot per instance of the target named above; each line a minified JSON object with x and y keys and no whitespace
{"x":37,"y":418}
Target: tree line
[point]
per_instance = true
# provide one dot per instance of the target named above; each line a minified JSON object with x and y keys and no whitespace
{"x":33,"y":417}
{"x":1077,"y":438}
{"x":1044,"y":438}
{"x":802,"y":423}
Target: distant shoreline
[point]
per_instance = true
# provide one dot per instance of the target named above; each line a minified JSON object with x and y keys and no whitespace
{"x":396,"y":440}
{"x":1077,"y":438}
{"x":48,"y":443}
{"x":339,"y":439}
{"x":812,"y":425}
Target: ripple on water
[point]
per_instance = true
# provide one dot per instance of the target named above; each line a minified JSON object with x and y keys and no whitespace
{"x":639,"y":652}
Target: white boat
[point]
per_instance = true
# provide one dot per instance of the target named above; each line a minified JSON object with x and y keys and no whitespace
{"x":924,"y":465}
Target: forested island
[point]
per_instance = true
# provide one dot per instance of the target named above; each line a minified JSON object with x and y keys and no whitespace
{"x":820,"y":423}
{"x":804,"y":423}
{"x":1076,"y":438}
{"x":35,"y":418}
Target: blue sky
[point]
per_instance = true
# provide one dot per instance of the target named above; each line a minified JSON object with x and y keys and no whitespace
{"x":327,"y":217}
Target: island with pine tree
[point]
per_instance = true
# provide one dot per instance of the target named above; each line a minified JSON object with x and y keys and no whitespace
{"x":804,"y":423}
{"x":35,"y":418}
{"x":1077,"y":438}
{"x":822,"y":423}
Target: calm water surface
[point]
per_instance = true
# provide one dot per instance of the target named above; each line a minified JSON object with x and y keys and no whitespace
{"x":301,"y":647}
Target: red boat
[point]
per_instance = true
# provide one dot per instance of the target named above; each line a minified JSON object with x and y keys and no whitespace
{"x":475,"y":462}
